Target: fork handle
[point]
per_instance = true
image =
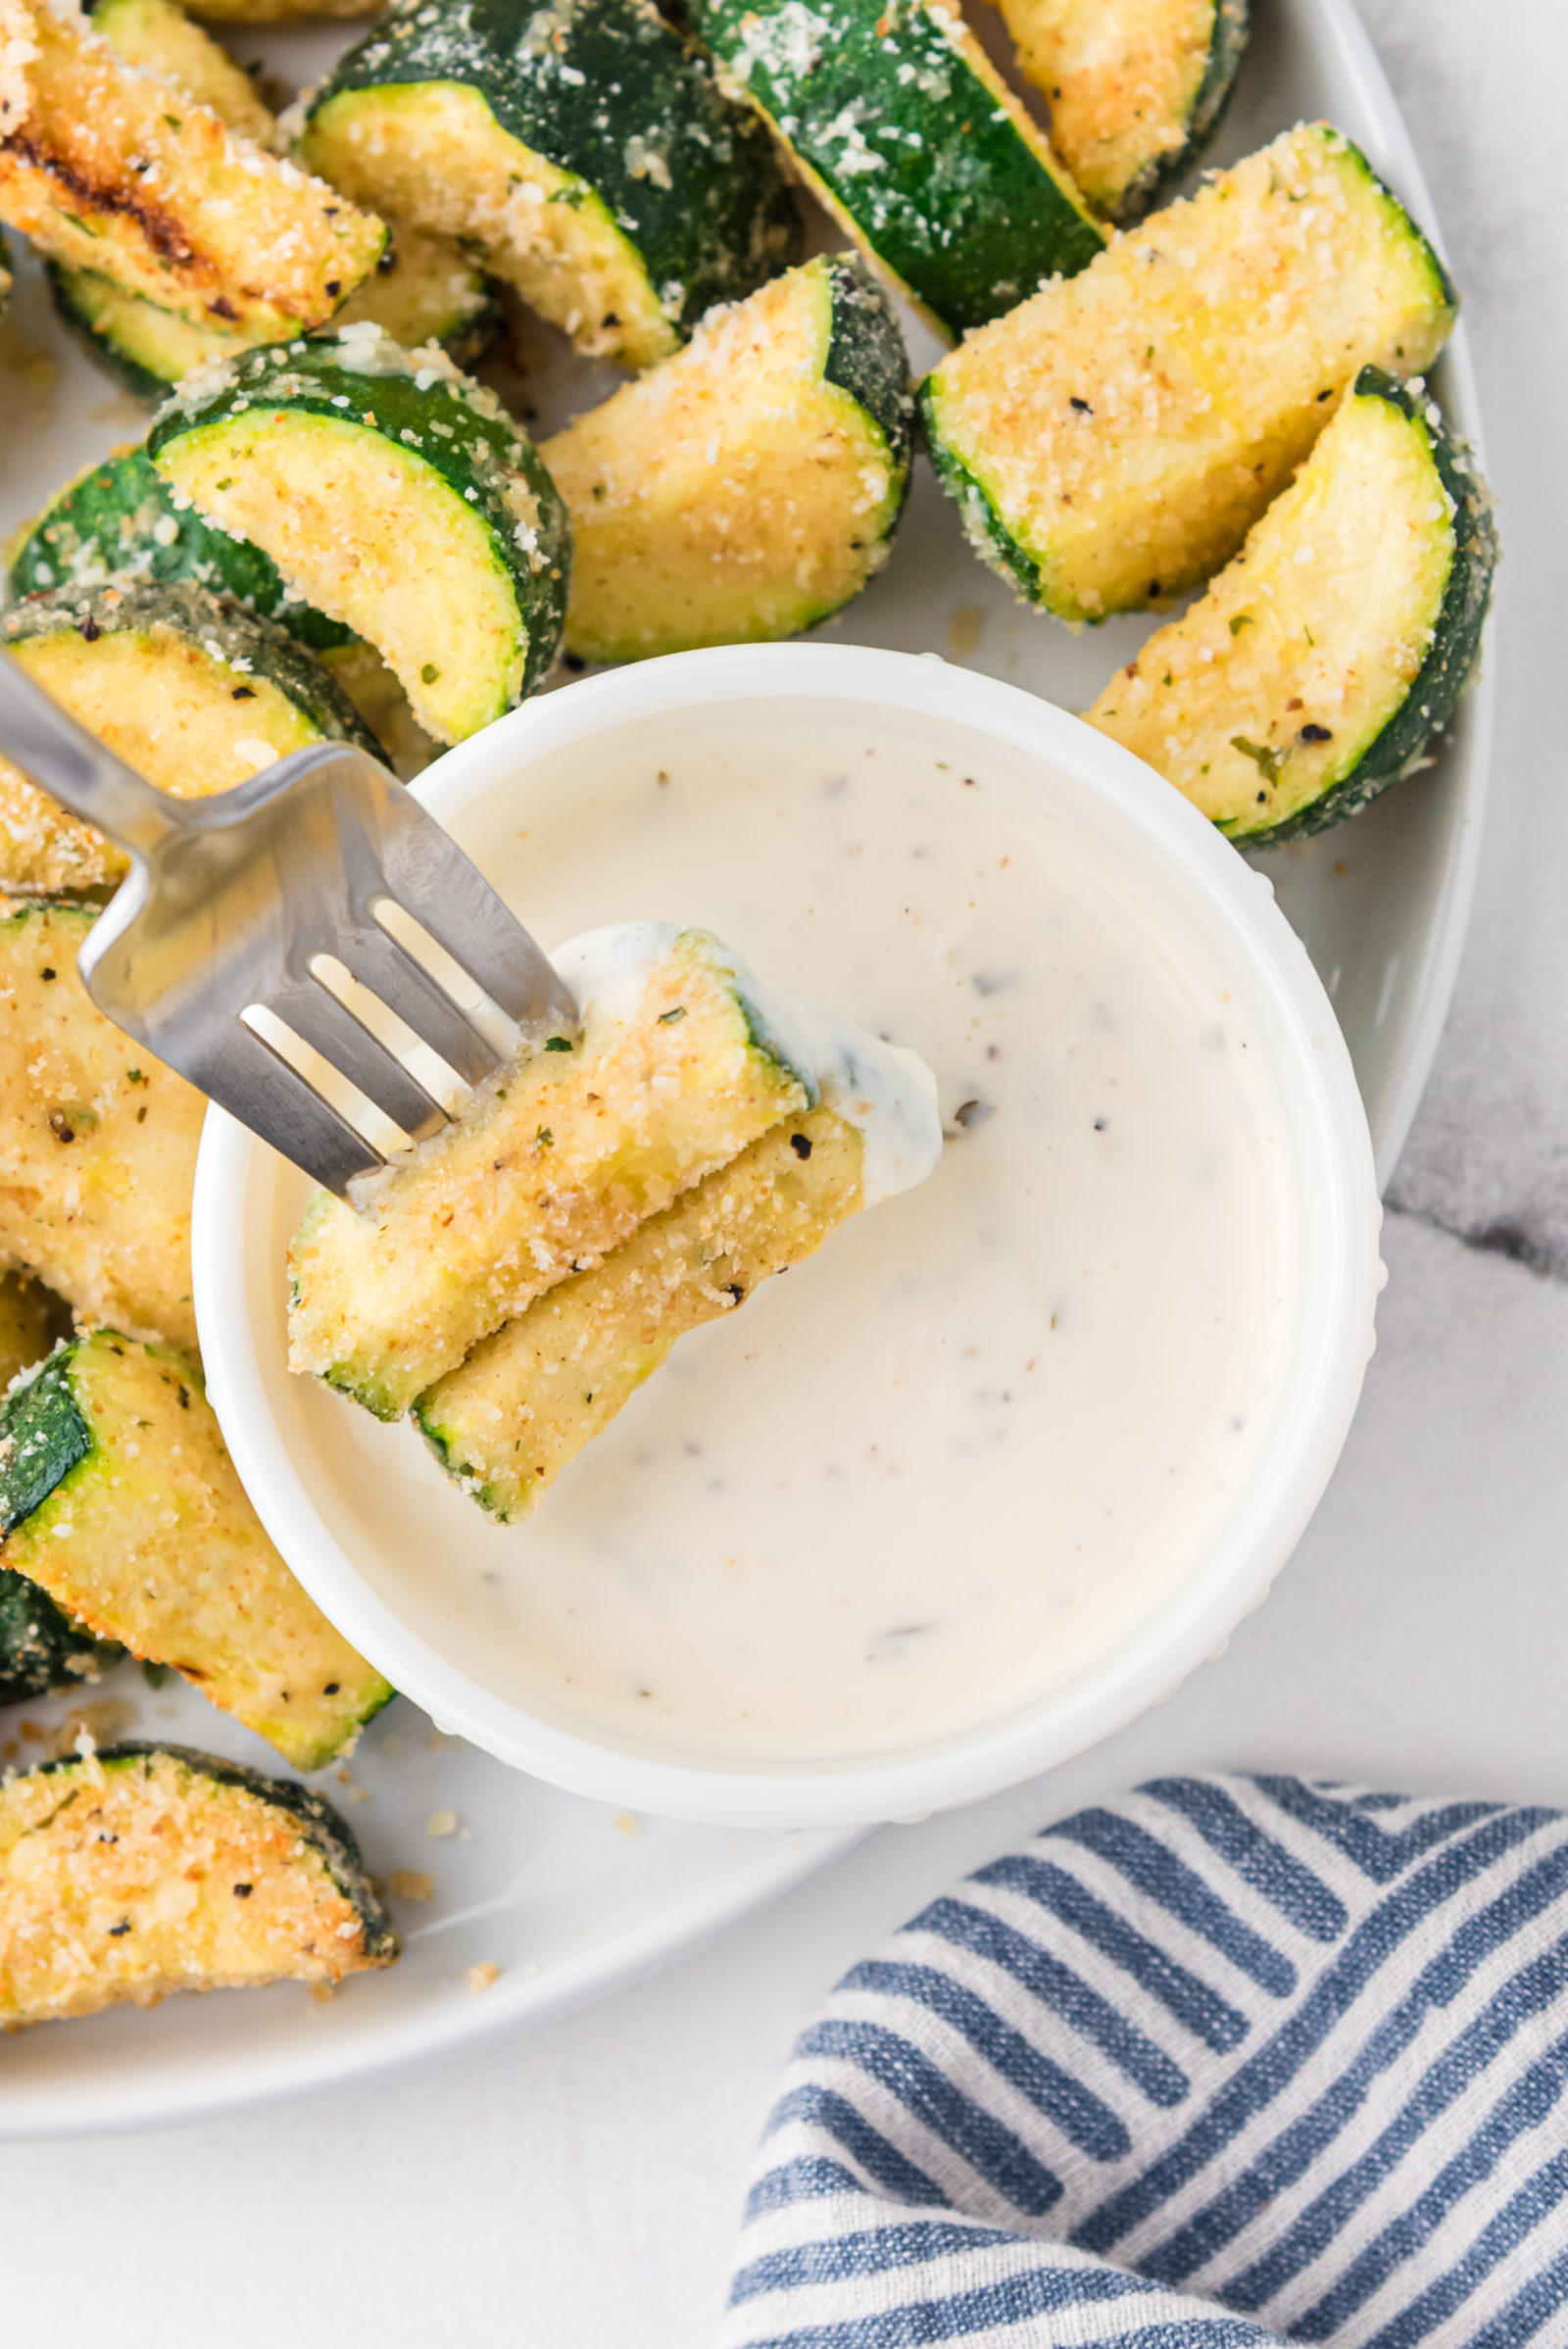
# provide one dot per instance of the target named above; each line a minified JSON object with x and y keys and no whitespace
{"x":63,"y":760}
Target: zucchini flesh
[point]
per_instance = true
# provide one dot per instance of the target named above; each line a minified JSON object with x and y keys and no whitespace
{"x":1325,"y":657}
{"x":104,"y":172}
{"x":139,"y":1870}
{"x":117,"y":525}
{"x":394,"y":495}
{"x":97,"y":1140}
{"x":157,"y":36}
{"x":1136,"y":87}
{"x":1112,"y":441}
{"x":119,"y":1499}
{"x":895,"y":118}
{"x":144,"y":348}
{"x":673,"y":1076}
{"x":586,"y":156}
{"x":526,"y":1400}
{"x":428,"y":291}
{"x":193,"y":692}
{"x":749,"y":485}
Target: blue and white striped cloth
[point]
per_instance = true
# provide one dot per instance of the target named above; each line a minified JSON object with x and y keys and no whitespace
{"x":1229,"y":2060}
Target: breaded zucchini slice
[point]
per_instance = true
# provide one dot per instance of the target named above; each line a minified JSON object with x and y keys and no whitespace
{"x":1112,"y":441}
{"x":119,"y":1498}
{"x":1323,"y":659}
{"x":586,"y":154}
{"x":507,"y":1421}
{"x":1136,"y":87}
{"x":31,"y":1320}
{"x":190,"y":689}
{"x":139,"y":1870}
{"x":117,"y":525}
{"x":674,"y":1073}
{"x":396,"y":496}
{"x":157,"y":37}
{"x":97,"y":1140}
{"x":748,"y":486}
{"x":104,"y":172}
{"x":42,"y":1652}
{"x":896,"y":118}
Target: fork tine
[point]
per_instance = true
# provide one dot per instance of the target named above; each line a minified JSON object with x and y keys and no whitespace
{"x":240,"y":1071}
{"x":379,"y":964}
{"x":315,"y":1013}
{"x":433,"y":880}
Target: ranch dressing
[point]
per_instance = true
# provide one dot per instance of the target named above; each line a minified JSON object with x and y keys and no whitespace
{"x":948,"y":1462}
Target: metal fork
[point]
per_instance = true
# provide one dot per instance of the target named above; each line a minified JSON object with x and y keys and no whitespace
{"x":236,"y":910}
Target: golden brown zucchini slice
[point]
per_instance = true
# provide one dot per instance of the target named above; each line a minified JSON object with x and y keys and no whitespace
{"x":97,"y":1140}
{"x":140,"y":1870}
{"x":1324,"y":658}
{"x":194,"y":692}
{"x":523,"y":1404}
{"x":1136,"y":87}
{"x":105,"y":169}
{"x":119,"y":1498}
{"x":674,"y":1073}
{"x":1111,"y":442}
{"x":157,"y":37}
{"x":747,"y":487}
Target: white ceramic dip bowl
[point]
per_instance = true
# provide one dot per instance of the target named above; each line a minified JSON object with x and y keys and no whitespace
{"x":407,"y":1565}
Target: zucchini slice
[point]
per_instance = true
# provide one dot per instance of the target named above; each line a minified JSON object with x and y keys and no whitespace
{"x":118,"y":1498}
{"x":157,"y":36}
{"x":31,"y":1321}
{"x":139,"y":1870}
{"x":895,"y":118}
{"x":1112,"y":441}
{"x":193,"y":691}
{"x":749,"y":485}
{"x":1136,"y":87}
{"x":1323,"y":659}
{"x":674,"y":1073}
{"x":586,"y":154}
{"x":427,"y":290}
{"x":144,"y":349}
{"x":105,"y":169}
{"x":117,"y":525}
{"x":526,"y":1400}
{"x":97,"y":1140}
{"x":396,"y":496}
{"x":41,"y":1649}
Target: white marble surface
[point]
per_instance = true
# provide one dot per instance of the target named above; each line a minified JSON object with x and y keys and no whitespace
{"x":578,"y":2189}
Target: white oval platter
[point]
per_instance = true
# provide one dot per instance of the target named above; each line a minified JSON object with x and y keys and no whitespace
{"x":566,"y":1899}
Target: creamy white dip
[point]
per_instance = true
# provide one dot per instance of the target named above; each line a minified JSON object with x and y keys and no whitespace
{"x":945,"y":1464}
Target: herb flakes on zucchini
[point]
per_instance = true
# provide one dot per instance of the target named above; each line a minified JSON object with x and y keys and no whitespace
{"x":1323,"y":659}
{"x":543,"y":1174}
{"x":97,"y":1140}
{"x":1136,"y":87}
{"x":191,"y":690}
{"x":1111,"y":442}
{"x":583,"y":152}
{"x":749,"y":485}
{"x":394,"y":495}
{"x":526,"y":1400}
{"x":119,"y":1499}
{"x":895,"y":118}
{"x":138,"y":1869}
{"x":106,"y":170}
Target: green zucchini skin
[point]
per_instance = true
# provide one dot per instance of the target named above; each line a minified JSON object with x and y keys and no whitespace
{"x":478,"y":450}
{"x":958,"y":204}
{"x":1455,"y":637}
{"x":613,"y":77}
{"x":41,"y":1648}
{"x":119,"y":527}
{"x":102,"y":349}
{"x":239,"y":637}
{"x":323,"y":1828}
{"x":867,"y":357}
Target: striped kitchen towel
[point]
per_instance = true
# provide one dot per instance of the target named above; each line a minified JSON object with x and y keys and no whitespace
{"x":1228,"y":2061}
